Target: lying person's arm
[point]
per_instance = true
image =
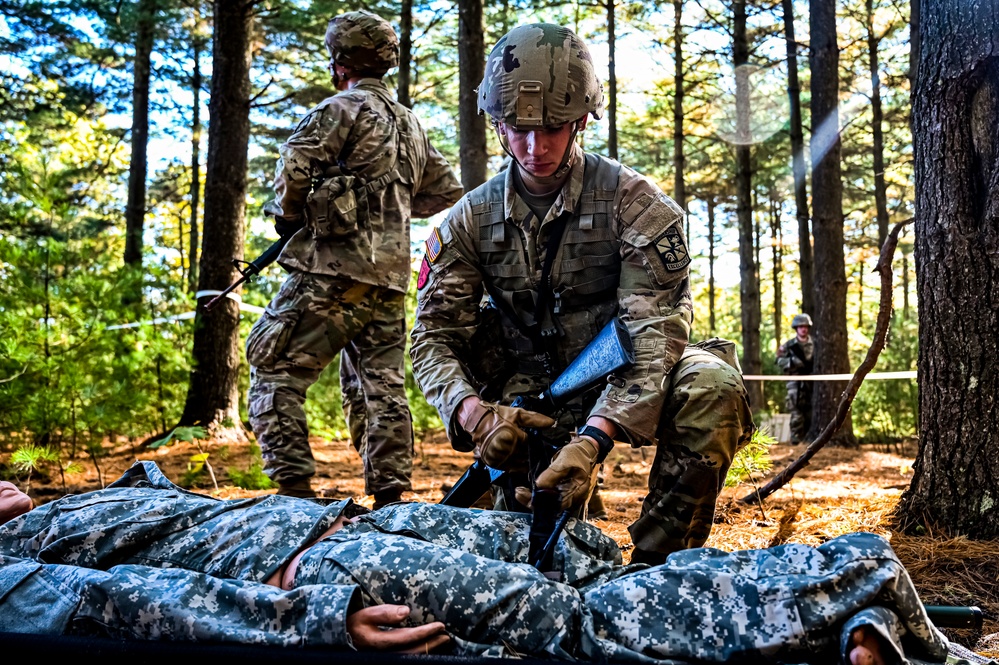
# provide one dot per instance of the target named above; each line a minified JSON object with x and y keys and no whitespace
{"x":139,"y":602}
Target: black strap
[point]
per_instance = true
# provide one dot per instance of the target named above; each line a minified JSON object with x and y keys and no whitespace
{"x":605,"y":444}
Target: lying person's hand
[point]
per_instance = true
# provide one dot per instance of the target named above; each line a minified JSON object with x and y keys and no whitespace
{"x":380,"y":628}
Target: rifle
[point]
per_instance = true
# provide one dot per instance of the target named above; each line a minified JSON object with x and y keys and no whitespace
{"x":252,"y":269}
{"x":608,"y":352}
{"x":955,"y":616}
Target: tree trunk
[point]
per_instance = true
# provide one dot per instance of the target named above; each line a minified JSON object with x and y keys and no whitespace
{"x":612,"y":86}
{"x":827,"y":219}
{"x":405,"y":51}
{"x":905,"y":287}
{"x":711,"y":265}
{"x":955,"y":123}
{"x":679,"y":160}
{"x":749,"y":285}
{"x":776,"y":243}
{"x":877,"y":119}
{"x":213,"y":395}
{"x":135,"y":208}
{"x":471,"y":125}
{"x":192,"y":275}
{"x":805,"y":268}
{"x":860,"y":295}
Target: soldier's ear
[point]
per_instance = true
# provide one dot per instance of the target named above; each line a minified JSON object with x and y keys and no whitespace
{"x":581,"y":123}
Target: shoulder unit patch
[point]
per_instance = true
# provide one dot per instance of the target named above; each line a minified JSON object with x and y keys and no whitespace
{"x":673,"y":249}
{"x":421,"y":281}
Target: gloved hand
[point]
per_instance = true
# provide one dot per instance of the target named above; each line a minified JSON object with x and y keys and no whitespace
{"x":573,"y":471}
{"x":286,"y":227}
{"x":498,"y":431}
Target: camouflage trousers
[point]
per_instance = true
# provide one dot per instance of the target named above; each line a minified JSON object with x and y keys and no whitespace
{"x":705,"y":420}
{"x":799,"y":404}
{"x":311,"y":320}
{"x":467,"y":568}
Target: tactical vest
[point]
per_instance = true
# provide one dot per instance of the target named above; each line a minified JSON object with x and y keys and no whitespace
{"x":584,"y":275}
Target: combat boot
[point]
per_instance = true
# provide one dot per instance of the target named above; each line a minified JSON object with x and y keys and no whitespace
{"x":300,"y":488}
{"x":386,"y":496}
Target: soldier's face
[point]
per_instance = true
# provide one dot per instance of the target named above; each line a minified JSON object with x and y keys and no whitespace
{"x":802,"y":331}
{"x":539,"y":151}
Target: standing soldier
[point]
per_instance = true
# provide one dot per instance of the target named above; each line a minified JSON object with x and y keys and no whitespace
{"x":561,"y":243}
{"x":350,"y":177}
{"x":796,"y":357}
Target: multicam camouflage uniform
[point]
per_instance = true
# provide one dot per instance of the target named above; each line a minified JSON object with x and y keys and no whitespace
{"x":622,"y":253}
{"x":347,"y":293}
{"x":74,"y":566}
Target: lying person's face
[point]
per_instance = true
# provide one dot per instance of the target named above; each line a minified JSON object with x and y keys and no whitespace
{"x":13,"y":502}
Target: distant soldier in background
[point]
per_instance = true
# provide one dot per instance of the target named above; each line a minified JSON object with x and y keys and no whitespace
{"x":350,"y":177}
{"x":796,"y":356}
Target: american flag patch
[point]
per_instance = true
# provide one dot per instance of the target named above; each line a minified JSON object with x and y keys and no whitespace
{"x":434,"y":245}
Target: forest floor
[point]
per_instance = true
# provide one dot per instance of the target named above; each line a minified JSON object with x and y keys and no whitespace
{"x":840,"y":491}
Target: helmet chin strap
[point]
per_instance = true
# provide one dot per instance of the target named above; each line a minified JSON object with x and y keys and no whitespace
{"x":543,"y":181}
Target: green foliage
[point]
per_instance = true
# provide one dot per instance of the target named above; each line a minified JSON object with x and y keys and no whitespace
{"x":189,"y":434}
{"x":752,"y":460}
{"x":253,"y":477}
{"x":31,"y":458}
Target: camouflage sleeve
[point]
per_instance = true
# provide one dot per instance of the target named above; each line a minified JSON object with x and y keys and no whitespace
{"x":447,"y":313}
{"x":439,"y":186}
{"x":137,"y":602}
{"x":654,"y":301}
{"x":313,"y":146}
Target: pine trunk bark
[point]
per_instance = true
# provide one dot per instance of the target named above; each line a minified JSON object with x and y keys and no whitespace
{"x":679,"y":159}
{"x":213,"y":394}
{"x":135,"y":208}
{"x":955,"y":123}
{"x":805,"y":262}
{"x":612,"y":85}
{"x":749,"y":286}
{"x":877,"y":120}
{"x":712,"y":324}
{"x":831,"y":356}
{"x":471,"y":124}
{"x":196,"y":81}
{"x":405,"y":52}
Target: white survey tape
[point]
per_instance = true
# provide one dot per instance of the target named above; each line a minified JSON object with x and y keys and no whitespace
{"x":243,"y":307}
{"x":874,"y":376}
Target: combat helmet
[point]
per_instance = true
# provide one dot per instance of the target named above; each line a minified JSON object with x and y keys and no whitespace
{"x":801,"y":320}
{"x":363,"y":42}
{"x":540,"y":75}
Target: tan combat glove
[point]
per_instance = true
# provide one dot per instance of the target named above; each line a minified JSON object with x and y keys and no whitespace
{"x":498,"y":431}
{"x":573,"y":471}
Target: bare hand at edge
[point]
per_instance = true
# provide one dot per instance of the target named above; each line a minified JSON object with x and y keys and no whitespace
{"x":378,"y":628}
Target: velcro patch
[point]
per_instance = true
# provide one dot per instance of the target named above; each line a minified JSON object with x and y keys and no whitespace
{"x":434,"y":245}
{"x":673,"y":249}
{"x":424,"y":277}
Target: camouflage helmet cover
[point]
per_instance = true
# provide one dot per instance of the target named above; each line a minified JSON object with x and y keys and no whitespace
{"x":363,"y":42}
{"x":540,"y":74}
{"x":801,"y":320}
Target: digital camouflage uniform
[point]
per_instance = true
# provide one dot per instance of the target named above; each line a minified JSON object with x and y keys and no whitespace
{"x":94,"y":564}
{"x":798,"y":358}
{"x":622,"y":253}
{"x":346,"y":294}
